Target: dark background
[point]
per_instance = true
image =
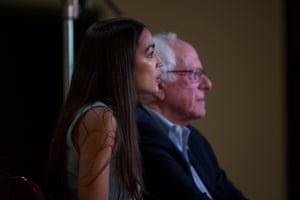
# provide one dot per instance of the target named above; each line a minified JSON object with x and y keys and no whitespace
{"x":293,"y":90}
{"x":31,"y":50}
{"x":31,"y":70}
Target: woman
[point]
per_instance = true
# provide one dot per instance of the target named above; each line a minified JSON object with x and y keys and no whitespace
{"x":94,"y":153}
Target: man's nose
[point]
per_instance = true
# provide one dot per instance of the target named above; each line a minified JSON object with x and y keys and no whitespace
{"x":205,"y":83}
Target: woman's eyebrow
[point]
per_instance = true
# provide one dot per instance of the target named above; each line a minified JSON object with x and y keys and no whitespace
{"x":150,"y":46}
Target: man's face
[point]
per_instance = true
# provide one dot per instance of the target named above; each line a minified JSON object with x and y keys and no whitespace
{"x":186,"y":96}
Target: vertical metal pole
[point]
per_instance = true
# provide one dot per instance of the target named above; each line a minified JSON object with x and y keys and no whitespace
{"x":70,"y":12}
{"x":68,"y":55}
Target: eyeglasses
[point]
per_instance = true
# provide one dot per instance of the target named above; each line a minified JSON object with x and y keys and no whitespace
{"x":197,"y":73}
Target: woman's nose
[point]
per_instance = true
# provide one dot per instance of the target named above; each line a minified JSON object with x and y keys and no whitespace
{"x":159,"y":61}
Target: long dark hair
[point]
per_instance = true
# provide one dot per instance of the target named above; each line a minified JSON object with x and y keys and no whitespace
{"x":103,"y":71}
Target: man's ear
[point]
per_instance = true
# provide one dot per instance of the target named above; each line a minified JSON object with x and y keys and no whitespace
{"x":161,"y":91}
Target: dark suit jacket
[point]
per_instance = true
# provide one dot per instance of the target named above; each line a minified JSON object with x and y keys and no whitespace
{"x":167,"y":174}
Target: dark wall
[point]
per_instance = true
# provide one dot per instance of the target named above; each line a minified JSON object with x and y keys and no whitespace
{"x":31,"y":91}
{"x":293,"y":58}
{"x":31,"y":52}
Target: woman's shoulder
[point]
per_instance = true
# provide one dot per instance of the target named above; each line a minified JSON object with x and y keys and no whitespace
{"x":96,"y":124}
{"x":98,"y":118}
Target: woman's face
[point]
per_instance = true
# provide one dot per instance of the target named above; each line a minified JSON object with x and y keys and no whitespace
{"x":147,"y":65}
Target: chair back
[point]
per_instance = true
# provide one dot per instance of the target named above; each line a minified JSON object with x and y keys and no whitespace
{"x":25,"y":189}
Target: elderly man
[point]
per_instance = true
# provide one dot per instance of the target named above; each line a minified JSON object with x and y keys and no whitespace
{"x":178,"y":162}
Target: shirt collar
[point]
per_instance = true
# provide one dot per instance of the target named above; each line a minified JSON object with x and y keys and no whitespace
{"x":179,"y":135}
{"x":163,"y":122}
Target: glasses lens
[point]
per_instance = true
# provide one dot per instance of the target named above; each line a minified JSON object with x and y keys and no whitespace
{"x":198,"y":75}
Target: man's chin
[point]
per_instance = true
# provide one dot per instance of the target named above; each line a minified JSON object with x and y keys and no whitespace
{"x":200,"y":115}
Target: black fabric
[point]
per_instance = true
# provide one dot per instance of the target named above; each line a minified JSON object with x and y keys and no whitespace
{"x":166,"y":173}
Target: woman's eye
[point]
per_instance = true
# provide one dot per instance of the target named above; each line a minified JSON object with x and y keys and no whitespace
{"x":151,"y":54}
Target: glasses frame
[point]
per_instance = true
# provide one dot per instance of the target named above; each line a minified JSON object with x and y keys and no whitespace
{"x":197,"y":73}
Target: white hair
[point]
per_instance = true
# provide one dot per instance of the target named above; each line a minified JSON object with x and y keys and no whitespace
{"x":166,"y":53}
